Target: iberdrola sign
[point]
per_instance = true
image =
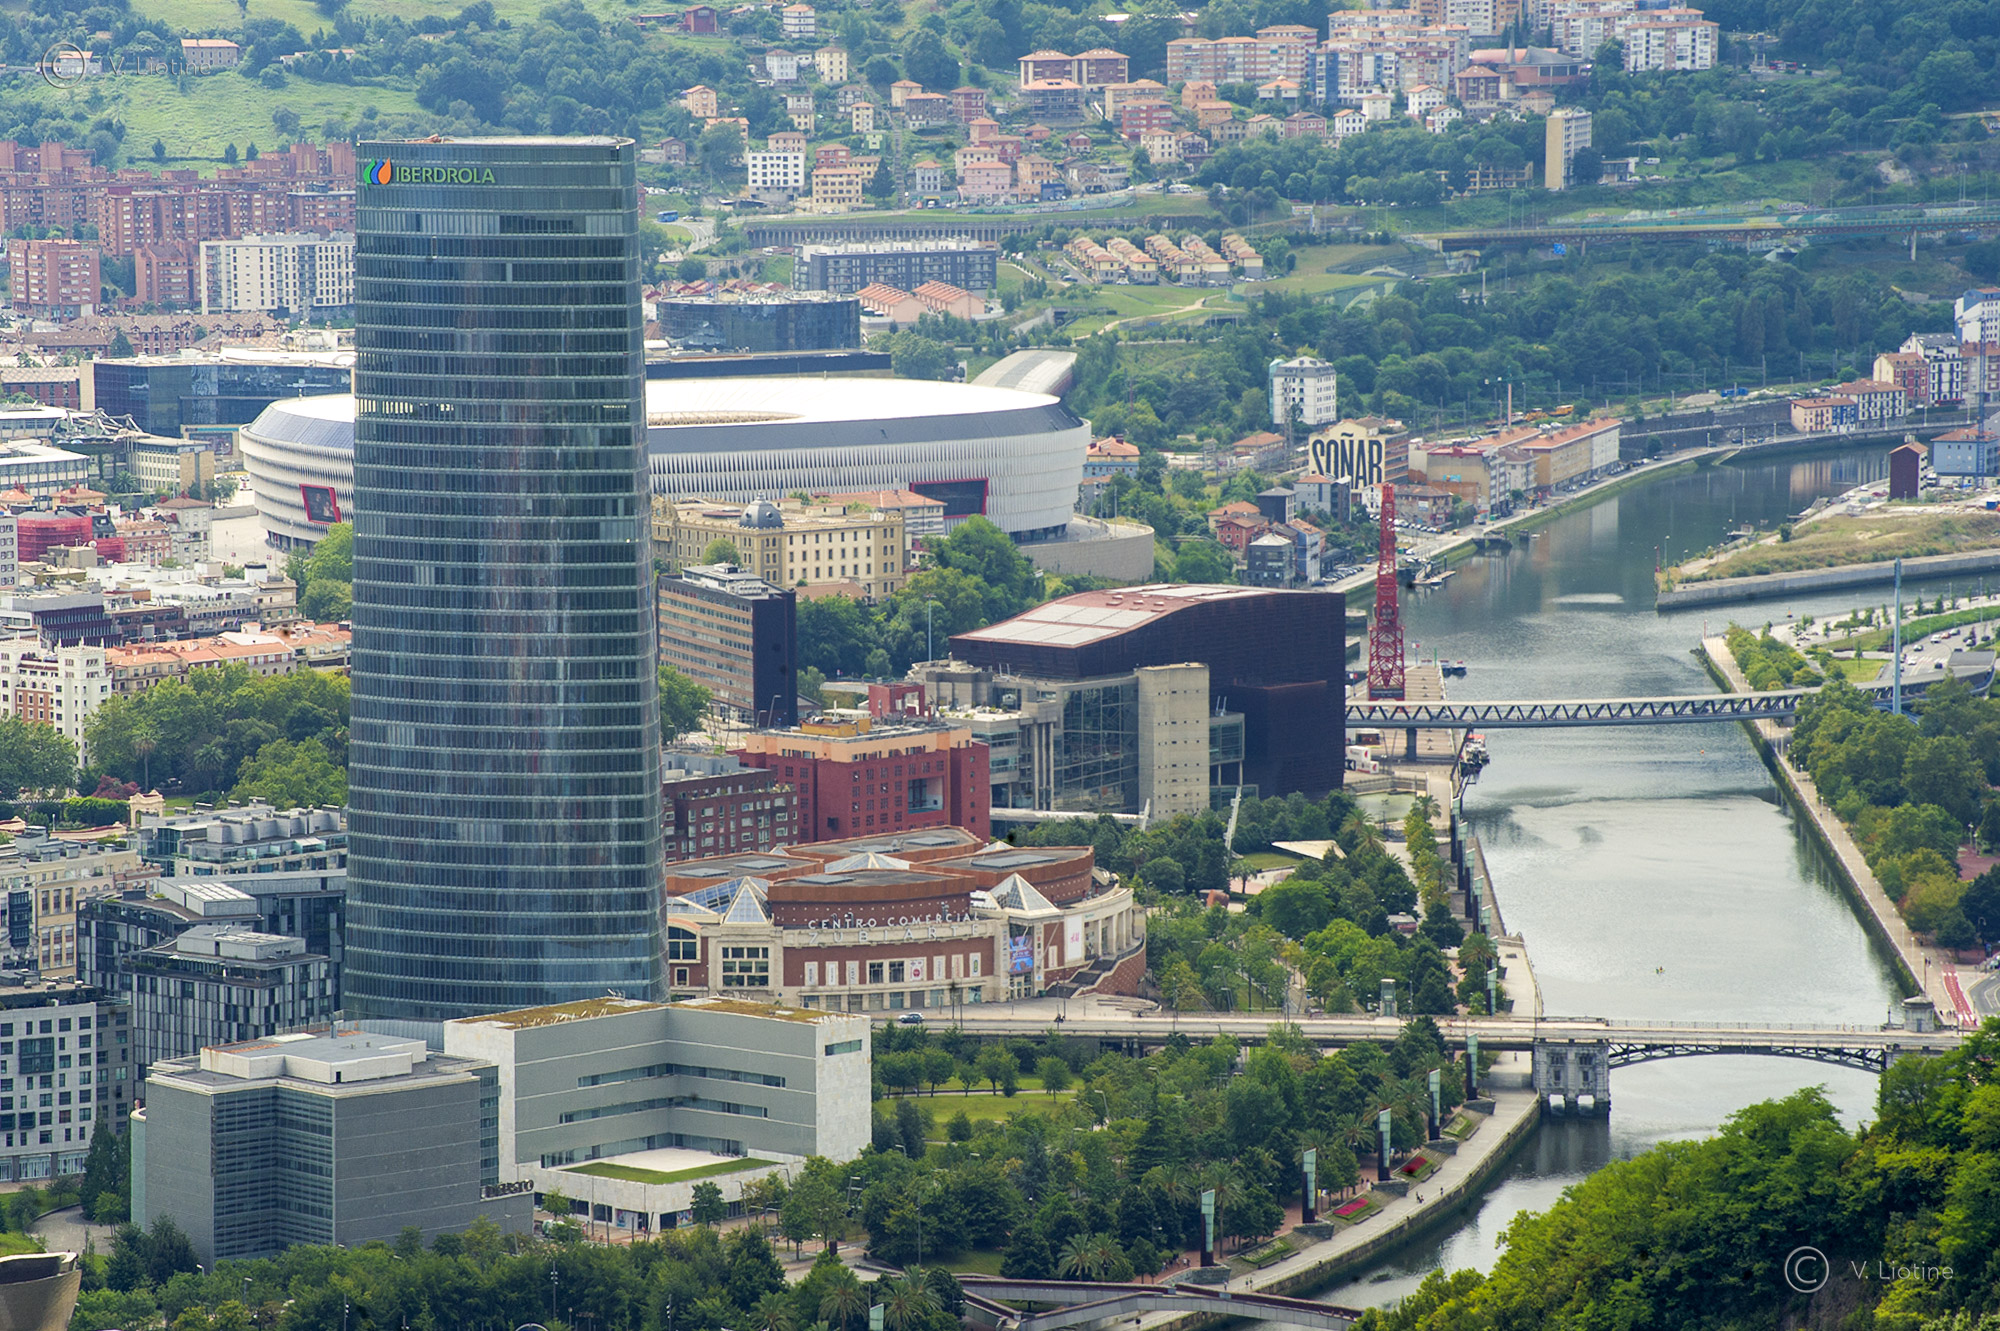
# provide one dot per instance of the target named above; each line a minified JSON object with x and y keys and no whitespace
{"x":382,"y":171}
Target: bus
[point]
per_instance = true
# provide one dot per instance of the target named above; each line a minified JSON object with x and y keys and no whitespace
{"x":669,"y":215}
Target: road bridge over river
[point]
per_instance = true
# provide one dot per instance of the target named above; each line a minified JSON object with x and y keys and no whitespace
{"x":1573,"y":1056}
{"x":1543,"y":714}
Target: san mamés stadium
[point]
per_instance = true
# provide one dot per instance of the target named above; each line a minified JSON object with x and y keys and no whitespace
{"x":1014,"y":457}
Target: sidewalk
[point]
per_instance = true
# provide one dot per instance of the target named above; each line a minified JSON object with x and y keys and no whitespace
{"x":1937,"y":973}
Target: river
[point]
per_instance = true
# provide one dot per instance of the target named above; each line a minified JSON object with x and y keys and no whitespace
{"x":1653,"y":871}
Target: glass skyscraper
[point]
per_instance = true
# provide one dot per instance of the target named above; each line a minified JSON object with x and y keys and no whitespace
{"x":504,"y":773}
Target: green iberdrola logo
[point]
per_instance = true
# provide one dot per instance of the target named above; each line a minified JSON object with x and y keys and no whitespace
{"x":382,"y":171}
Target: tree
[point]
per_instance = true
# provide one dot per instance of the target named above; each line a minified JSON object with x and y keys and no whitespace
{"x":1204,"y":561}
{"x":926,"y":60}
{"x":708,"y":1208}
{"x":34,"y":757}
{"x":691,"y":269}
{"x":159,"y":150}
{"x":293,"y":776}
{"x":121,"y":345}
{"x":914,"y":356}
{"x":996,"y":1065}
{"x":1055,"y":1075}
{"x":882,"y":185}
{"x":683,"y":703}
{"x":721,"y":550}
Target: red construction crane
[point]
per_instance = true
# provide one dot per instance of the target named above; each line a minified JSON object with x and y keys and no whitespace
{"x":1385,"y":635}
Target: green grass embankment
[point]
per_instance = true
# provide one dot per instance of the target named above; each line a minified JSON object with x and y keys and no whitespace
{"x":1871,"y":539}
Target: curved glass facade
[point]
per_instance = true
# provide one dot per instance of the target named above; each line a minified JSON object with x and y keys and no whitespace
{"x":504,"y":774}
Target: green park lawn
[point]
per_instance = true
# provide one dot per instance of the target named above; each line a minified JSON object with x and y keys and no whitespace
{"x":1269,"y":859}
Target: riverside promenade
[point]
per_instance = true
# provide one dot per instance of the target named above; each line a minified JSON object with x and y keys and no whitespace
{"x":1934,"y":972}
{"x":1503,"y":1117}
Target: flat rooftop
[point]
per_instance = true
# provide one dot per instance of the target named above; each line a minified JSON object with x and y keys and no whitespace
{"x":556,"y":1013}
{"x":744,"y":1008}
{"x":750,"y":864}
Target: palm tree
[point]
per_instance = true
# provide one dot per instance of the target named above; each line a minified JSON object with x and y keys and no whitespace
{"x":774,"y":1313}
{"x":907,"y":1303}
{"x":1082,"y":1258}
{"x":844,"y":1303}
{"x":1425,"y":806}
{"x":1361,"y":831}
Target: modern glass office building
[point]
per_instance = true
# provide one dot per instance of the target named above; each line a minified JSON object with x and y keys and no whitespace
{"x":504,"y":773}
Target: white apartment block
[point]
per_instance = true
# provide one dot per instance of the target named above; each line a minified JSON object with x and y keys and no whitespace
{"x":1668,"y":40}
{"x":10,"y":551}
{"x":1944,"y":358}
{"x":776,"y":170}
{"x":1307,"y":385}
{"x":1977,"y":313}
{"x":58,"y":686}
{"x":292,"y":271}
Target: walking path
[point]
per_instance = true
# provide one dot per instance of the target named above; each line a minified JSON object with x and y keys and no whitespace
{"x":1937,"y":972}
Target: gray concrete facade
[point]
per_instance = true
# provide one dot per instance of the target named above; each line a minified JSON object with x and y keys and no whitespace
{"x":336,"y":1137}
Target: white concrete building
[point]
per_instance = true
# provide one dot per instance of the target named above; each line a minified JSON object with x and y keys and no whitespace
{"x":296,"y":272}
{"x":59,"y":686}
{"x":1306,"y":384}
{"x":1668,"y":40}
{"x":769,"y":170}
{"x":661,"y":1090}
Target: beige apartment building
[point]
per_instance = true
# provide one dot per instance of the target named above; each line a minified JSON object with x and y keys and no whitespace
{"x":793,"y":544}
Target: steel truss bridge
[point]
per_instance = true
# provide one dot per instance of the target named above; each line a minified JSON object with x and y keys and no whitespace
{"x":1698,"y":709}
{"x":1079,"y":1303}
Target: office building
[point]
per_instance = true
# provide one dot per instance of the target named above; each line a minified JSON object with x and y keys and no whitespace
{"x":1115,"y":743}
{"x":327,"y":1137}
{"x":221,"y":983}
{"x":736,"y":636}
{"x":1277,"y":658}
{"x":791,"y":544}
{"x":504,"y":773}
{"x":888,"y":773}
{"x":1306,"y":386}
{"x":66,"y":1064}
{"x":1568,"y":133}
{"x":761,"y":323}
{"x":970,"y":265}
{"x":294,"y":274}
{"x":605,"y":1099}
{"x":163,"y":394}
{"x":711,"y":804}
{"x":42,"y":470}
{"x":53,"y":279}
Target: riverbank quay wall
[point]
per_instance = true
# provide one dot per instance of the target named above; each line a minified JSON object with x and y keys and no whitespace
{"x":1865,"y":895}
{"x":1767,"y":586}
